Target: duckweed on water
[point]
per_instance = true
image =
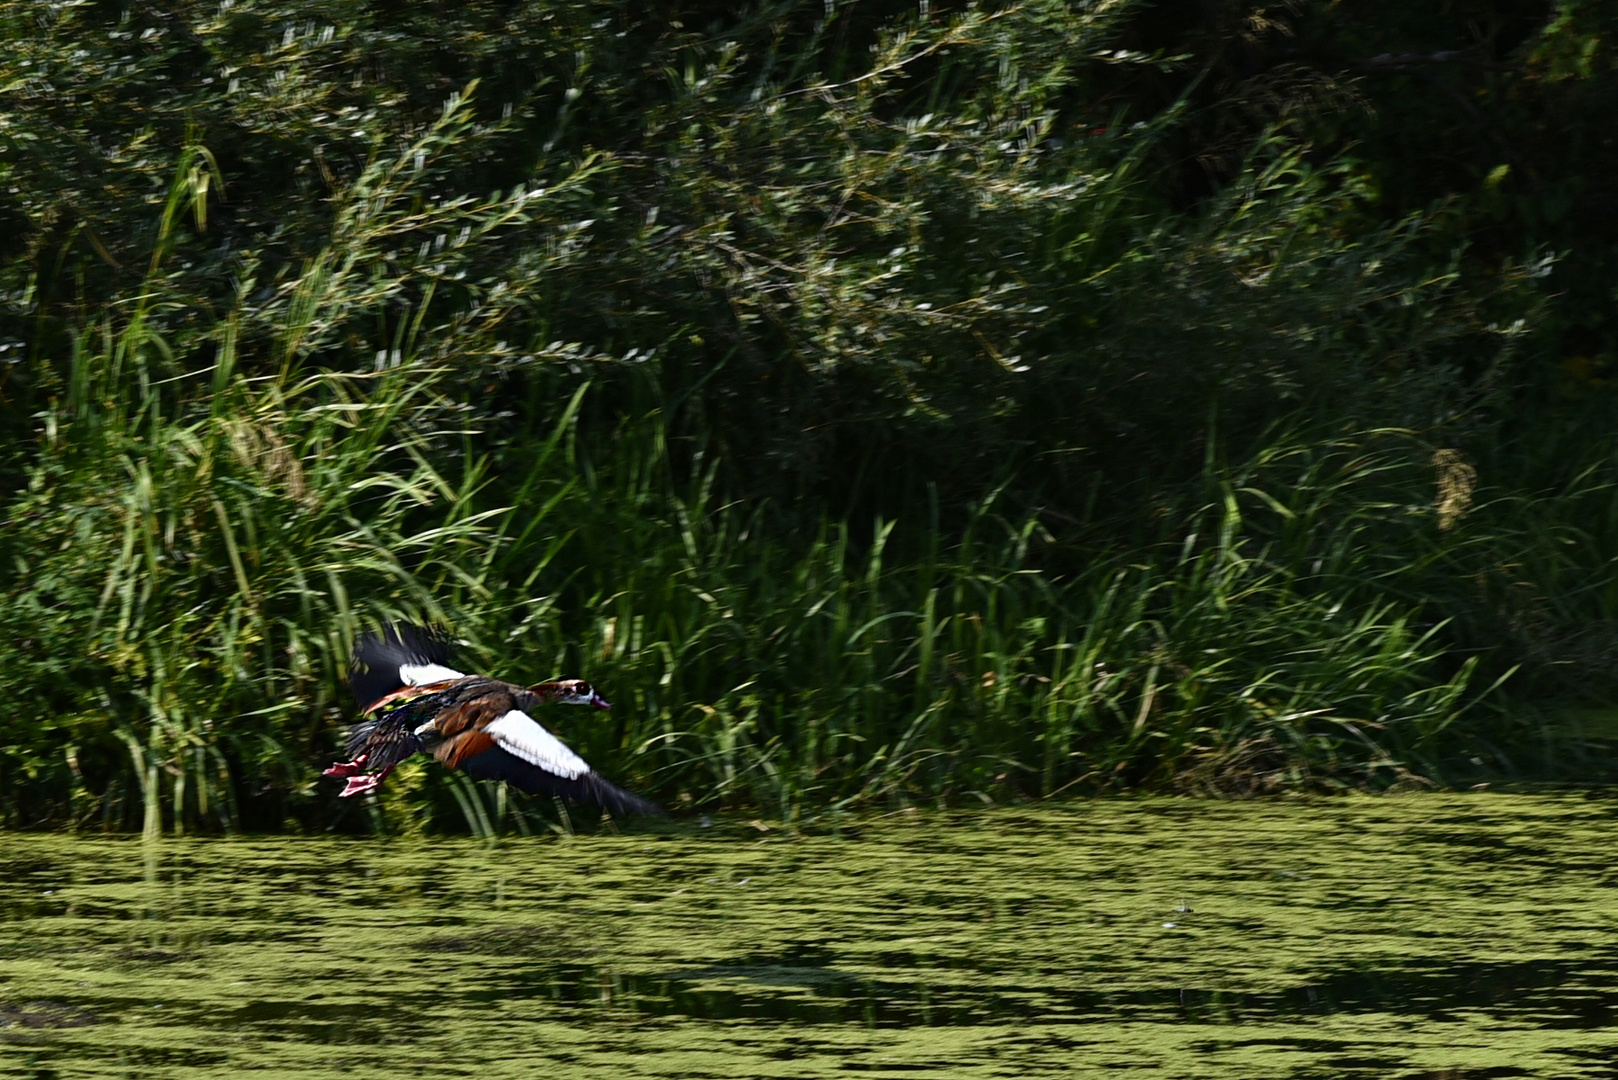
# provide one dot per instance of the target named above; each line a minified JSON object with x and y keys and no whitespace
{"x":1426,"y":936}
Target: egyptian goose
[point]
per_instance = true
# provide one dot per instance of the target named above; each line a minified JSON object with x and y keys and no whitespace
{"x":411,"y":701}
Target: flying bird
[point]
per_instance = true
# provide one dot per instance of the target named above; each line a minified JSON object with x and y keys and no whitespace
{"x":411,"y":700}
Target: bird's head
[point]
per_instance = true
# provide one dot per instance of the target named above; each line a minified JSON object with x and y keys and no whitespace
{"x":572,"y":692}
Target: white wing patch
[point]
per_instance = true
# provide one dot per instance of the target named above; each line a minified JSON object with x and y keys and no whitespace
{"x":423,"y":674}
{"x":521,"y":734}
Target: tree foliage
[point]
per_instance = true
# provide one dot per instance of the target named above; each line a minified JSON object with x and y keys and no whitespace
{"x":586,"y":326}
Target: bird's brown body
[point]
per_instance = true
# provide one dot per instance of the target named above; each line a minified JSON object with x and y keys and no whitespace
{"x":473,"y":723}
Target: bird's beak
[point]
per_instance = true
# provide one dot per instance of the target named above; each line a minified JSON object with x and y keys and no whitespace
{"x":599,"y":702}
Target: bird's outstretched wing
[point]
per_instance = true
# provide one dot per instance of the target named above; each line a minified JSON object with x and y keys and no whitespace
{"x":516,"y":749}
{"x":397,"y":657}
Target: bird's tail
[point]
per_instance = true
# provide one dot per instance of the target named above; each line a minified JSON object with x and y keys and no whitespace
{"x":379,"y":657}
{"x":615,"y":800}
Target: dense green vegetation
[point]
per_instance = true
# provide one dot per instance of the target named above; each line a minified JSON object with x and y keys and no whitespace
{"x":881,"y":402}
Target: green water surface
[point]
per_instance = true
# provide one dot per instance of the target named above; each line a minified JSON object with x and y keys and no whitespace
{"x":1419,"y":936}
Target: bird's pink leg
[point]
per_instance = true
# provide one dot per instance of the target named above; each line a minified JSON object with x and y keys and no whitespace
{"x":359,"y":781}
{"x":359,"y":785}
{"x":347,"y":768}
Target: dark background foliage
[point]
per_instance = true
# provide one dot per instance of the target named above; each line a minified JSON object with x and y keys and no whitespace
{"x":831,"y":379}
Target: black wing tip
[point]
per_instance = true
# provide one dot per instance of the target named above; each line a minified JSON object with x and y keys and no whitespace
{"x":408,"y":642}
{"x":377,"y":657}
{"x":616,"y":801}
{"x":498,"y":763}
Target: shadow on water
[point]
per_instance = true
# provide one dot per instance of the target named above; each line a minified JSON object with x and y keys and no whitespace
{"x":789,"y":989}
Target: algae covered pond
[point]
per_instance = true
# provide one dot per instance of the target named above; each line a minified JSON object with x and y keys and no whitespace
{"x":1421,"y":936}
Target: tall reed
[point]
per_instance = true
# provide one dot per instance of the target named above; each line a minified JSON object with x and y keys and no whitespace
{"x":192,"y":598}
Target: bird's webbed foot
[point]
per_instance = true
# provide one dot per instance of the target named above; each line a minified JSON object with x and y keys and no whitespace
{"x":359,"y":780}
{"x":348,"y":768}
{"x":359,"y":785}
